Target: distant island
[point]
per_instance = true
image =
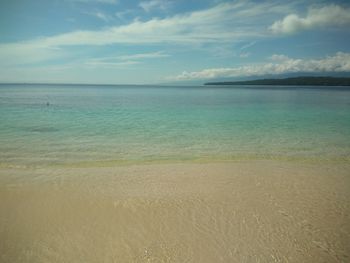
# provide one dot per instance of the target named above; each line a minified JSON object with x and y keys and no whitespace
{"x":296,"y":81}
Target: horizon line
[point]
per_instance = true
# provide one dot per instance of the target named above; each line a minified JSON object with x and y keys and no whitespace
{"x":94,"y":84}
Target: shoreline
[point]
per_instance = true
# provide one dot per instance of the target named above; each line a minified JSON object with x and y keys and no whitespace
{"x":185,"y":160}
{"x":231,"y":211}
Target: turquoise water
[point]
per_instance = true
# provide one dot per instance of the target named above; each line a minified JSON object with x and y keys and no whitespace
{"x":99,"y":124}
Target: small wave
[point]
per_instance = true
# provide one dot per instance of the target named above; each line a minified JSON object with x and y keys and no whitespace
{"x":41,"y":129}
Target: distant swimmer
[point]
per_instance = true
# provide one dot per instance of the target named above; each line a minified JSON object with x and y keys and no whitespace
{"x":47,"y":103}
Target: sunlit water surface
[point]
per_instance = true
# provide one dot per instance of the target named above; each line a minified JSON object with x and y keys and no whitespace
{"x":82,"y":125}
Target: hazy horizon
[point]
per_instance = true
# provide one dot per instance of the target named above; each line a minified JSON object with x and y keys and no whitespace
{"x":195,"y":83}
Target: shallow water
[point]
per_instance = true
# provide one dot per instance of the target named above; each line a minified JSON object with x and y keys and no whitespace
{"x":91,"y":124}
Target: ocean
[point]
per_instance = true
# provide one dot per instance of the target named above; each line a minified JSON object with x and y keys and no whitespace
{"x":94,"y":125}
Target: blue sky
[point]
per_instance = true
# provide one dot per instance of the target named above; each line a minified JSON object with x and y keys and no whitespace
{"x":160,"y":41}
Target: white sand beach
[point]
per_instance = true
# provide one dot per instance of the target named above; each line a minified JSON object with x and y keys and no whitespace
{"x":253,"y":211}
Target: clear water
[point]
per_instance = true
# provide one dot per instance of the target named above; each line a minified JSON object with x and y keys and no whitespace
{"x":118,"y":124}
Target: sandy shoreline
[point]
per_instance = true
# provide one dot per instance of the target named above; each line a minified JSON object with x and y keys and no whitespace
{"x":254,"y":211}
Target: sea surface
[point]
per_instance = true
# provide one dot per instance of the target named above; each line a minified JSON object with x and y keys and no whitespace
{"x":88,"y":125}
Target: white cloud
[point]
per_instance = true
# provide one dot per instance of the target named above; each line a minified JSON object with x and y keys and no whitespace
{"x":248,"y":45}
{"x":327,"y":16}
{"x":340,"y":62}
{"x":158,"y":54}
{"x":220,"y":25}
{"x":244,"y":54}
{"x":223,"y":22}
{"x":211,"y":25}
{"x":100,"y":15}
{"x":96,"y":1}
{"x":122,"y":15}
{"x":278,"y":57}
{"x":118,"y":64}
{"x":107,"y":1}
{"x":155,"y":4}
{"x":28,"y":53}
{"x":124,"y":60}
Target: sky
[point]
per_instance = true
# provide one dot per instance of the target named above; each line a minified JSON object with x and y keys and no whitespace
{"x":170,"y":41}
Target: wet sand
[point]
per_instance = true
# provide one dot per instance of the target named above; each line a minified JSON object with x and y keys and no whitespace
{"x":254,"y":211}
